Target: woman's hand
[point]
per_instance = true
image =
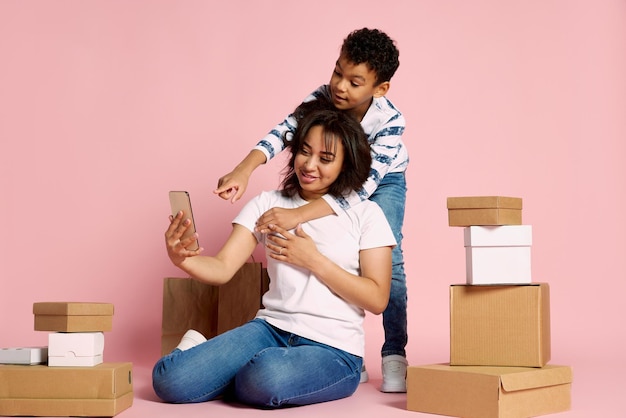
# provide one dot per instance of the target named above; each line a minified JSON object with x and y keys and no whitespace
{"x":284,"y":218}
{"x":177,"y":248}
{"x":298,"y":249}
{"x":370,"y":291}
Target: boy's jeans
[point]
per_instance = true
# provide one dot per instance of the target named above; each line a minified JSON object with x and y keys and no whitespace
{"x":391,"y":197}
{"x":262,"y":365}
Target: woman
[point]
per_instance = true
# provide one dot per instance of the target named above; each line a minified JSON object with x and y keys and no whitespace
{"x":306,"y":345}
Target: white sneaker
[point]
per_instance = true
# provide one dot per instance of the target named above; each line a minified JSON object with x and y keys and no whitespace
{"x":364,"y":375}
{"x":191,"y":338}
{"x":394,"y":374}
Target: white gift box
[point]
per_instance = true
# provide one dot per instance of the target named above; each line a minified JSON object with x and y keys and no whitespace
{"x":75,"y":348}
{"x":498,"y":254}
{"x":24,"y":355}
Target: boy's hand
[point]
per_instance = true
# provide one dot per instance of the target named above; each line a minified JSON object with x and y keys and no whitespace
{"x":284,"y":218}
{"x":177,"y":248}
{"x":232,"y":186}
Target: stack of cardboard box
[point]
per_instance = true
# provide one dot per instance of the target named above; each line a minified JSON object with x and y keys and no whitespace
{"x":499,"y":325}
{"x":77,"y":337}
{"x":76,"y":381}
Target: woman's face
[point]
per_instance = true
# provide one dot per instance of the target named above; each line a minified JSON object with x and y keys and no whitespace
{"x":316,"y":167}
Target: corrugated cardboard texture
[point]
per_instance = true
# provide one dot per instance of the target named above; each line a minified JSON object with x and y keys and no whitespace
{"x":66,"y":407}
{"x":104,"y":381}
{"x":73,"y":316}
{"x":73,"y":308}
{"x":506,"y":325}
{"x":484,"y":210}
{"x":468,"y":217}
{"x":73,"y":323}
{"x":484,"y":202}
{"x":480,"y":392}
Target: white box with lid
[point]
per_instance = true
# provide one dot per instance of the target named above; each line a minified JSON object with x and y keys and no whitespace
{"x":75,"y":348}
{"x":498,"y":254}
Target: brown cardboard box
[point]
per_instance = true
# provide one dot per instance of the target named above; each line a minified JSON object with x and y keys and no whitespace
{"x":484,"y":210}
{"x":503,"y":325}
{"x":102,"y":390}
{"x":73,"y":316}
{"x":488,"y":392}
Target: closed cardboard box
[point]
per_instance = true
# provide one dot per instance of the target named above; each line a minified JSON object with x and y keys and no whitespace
{"x":497,"y":254}
{"x":484,"y":210}
{"x":80,"y":349}
{"x":497,"y":265}
{"x":488,"y":392}
{"x":498,"y":236}
{"x":507,"y":325}
{"x":102,"y":390}
{"x":24,"y":355}
{"x":73,"y":316}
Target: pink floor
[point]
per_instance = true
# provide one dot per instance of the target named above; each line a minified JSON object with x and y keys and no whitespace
{"x":598,"y":391}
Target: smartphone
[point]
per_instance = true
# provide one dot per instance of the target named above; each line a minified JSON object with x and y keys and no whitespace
{"x":180,"y":200}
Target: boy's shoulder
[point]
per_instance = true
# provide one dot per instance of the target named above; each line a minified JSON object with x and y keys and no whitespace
{"x":385,"y":104}
{"x":382,"y":110}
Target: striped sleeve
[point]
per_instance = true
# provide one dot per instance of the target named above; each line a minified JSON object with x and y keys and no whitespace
{"x":384,"y":125}
{"x":274,"y":142}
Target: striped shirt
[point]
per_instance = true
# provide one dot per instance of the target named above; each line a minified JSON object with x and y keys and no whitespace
{"x":383,"y":124}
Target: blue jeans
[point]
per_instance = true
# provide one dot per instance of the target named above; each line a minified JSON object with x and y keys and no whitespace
{"x":259,"y":365}
{"x":391,"y":197}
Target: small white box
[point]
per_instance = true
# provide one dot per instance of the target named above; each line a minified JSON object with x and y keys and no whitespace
{"x":498,"y":236}
{"x":75,"y":348}
{"x":497,"y":265}
{"x":498,"y":254}
{"x":24,"y":355}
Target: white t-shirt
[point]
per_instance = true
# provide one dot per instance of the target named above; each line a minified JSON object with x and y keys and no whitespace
{"x":299,"y":303}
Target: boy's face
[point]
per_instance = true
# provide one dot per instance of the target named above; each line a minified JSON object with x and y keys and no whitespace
{"x":352,"y":87}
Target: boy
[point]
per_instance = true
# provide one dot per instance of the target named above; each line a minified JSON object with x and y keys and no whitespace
{"x":361,"y":78}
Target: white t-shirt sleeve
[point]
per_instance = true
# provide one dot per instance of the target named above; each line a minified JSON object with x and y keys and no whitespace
{"x":251,"y":212}
{"x":375,"y":230}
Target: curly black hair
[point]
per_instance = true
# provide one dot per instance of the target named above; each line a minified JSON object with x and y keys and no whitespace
{"x":374,"y":48}
{"x":338,"y":126}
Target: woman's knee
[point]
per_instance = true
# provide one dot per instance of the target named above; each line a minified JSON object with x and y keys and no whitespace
{"x":170,"y":380}
{"x":255,"y":384}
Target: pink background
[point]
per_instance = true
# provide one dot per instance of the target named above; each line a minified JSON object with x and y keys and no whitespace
{"x":105,"y":106}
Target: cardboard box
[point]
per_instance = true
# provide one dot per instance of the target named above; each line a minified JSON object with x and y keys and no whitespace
{"x":73,"y":316}
{"x":82,"y":349}
{"x":484,"y":210}
{"x":498,"y":236}
{"x":24,"y":355}
{"x":102,"y":390}
{"x":497,"y":254}
{"x":500,"y":325}
{"x":497,"y":265}
{"x":488,"y":392}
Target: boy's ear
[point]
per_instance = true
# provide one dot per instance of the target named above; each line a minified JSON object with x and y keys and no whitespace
{"x":381,"y":89}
